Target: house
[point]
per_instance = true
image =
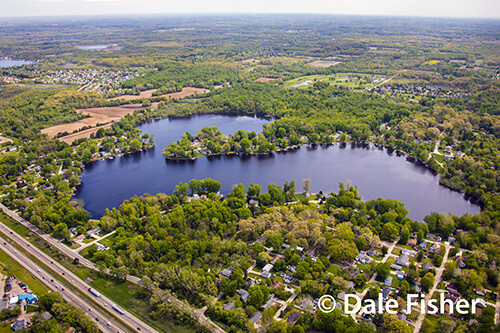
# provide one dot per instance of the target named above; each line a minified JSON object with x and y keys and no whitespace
{"x":285,"y":246}
{"x":417,"y":287}
{"x":228,"y":306}
{"x":306,"y":304}
{"x":386,"y":292}
{"x":388,"y":281}
{"x":256,"y":317}
{"x":267,"y":268}
{"x":363,"y":258}
{"x":403,"y":260}
{"x":278,"y":257}
{"x":430,"y":236}
{"x":292,"y":318}
{"x":278,"y":285}
{"x":94,"y":232}
{"x":226,"y":272}
{"x":341,"y":296}
{"x":423,"y":244}
{"x":373,"y":253}
{"x":409,"y":253}
{"x":360,"y":255}
{"x":299,"y":248}
{"x":265,"y":275}
{"x":79,"y":238}
{"x":402,"y":316}
{"x":434,"y":247}
{"x":18,"y":325}
{"x":243,"y":295}
{"x":312,"y":252}
{"x":480,"y":292}
{"x":401,"y":275}
{"x":396,"y":267}
{"x":461,"y":263}
{"x":268,"y":304}
{"x":439,"y":239}
{"x":70,"y":330}
{"x":481,"y":302}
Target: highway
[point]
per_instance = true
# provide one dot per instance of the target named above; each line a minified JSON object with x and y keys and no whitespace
{"x":56,"y":285}
{"x":76,"y":282}
{"x":131,"y":320}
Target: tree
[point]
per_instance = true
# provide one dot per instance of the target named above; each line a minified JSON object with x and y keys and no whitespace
{"x":257,"y":295}
{"x":360,"y":280}
{"x":404,"y":288}
{"x":389,"y":232}
{"x":306,"y":186}
{"x":253,"y":191}
{"x":391,"y":324}
{"x":61,"y":231}
{"x":405,"y":236}
{"x":383,"y":270}
{"x":427,"y":281}
{"x":135,"y":145}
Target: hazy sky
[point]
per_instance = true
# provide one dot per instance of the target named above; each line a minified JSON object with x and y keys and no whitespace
{"x":440,"y":8}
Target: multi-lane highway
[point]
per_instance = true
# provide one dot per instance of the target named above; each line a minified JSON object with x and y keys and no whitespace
{"x":106,"y":323}
{"x":202,"y":319}
{"x":75,"y":281}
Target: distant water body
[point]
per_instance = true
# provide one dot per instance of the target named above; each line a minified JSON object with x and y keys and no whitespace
{"x":6,"y":63}
{"x":96,"y":47}
{"x":378,"y":173}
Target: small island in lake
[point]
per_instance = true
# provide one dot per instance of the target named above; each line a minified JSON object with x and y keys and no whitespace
{"x":210,"y":141}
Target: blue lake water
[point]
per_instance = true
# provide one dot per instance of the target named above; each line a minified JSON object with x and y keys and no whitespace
{"x":5,"y":63}
{"x":376,"y":172}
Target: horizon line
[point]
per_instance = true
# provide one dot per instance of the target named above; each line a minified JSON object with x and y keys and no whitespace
{"x":248,"y":13}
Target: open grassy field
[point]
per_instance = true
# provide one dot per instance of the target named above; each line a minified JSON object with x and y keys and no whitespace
{"x":350,"y":80}
{"x":264,"y":79}
{"x":323,"y":63}
{"x":4,"y":140}
{"x":186,"y":91}
{"x":11,"y":267}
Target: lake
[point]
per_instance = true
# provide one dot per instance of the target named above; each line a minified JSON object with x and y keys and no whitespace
{"x":5,"y":63}
{"x":97,"y":47}
{"x":376,"y":172}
